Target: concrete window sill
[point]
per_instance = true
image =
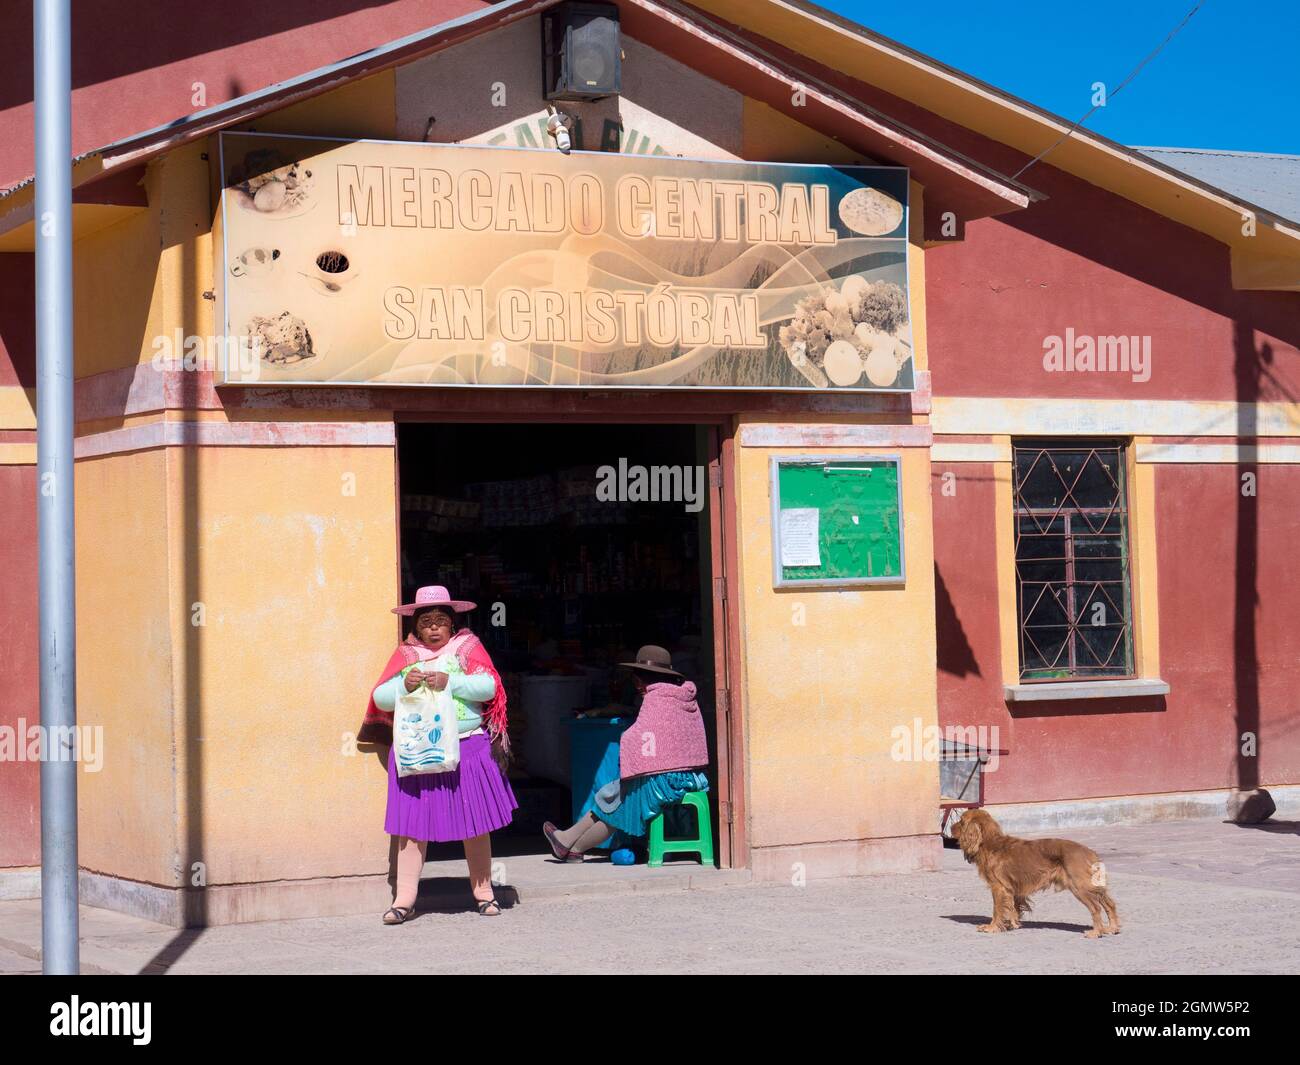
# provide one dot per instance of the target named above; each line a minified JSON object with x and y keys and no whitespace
{"x":1085,"y":689}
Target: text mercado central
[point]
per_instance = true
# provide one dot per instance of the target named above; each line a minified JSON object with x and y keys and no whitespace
{"x":663,"y":208}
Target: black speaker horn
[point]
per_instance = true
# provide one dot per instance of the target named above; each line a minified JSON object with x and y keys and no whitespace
{"x":581,"y":52}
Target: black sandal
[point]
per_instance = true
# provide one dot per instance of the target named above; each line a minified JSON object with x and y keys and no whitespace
{"x":486,"y":905}
{"x":402,"y":913}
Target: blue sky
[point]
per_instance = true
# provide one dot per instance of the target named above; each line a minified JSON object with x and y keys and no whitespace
{"x":1223,"y":82}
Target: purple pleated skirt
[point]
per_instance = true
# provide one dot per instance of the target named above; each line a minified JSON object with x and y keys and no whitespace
{"x":441,"y":807}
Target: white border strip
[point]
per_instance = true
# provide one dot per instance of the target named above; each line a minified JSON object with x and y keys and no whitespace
{"x":771,"y":434}
{"x":962,"y":452}
{"x":1280,"y":454}
{"x":236,"y":434}
{"x":1126,"y":417}
{"x":1043,"y":818}
{"x":1190,"y":454}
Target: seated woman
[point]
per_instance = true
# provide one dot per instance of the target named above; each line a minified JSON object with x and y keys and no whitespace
{"x":661,"y":757}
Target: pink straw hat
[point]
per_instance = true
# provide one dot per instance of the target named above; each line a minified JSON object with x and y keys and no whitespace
{"x":434,"y":595}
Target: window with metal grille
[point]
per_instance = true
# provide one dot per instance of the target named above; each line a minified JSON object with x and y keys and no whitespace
{"x":1072,"y":561}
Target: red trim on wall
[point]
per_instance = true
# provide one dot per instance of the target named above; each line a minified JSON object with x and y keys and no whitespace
{"x":20,"y":835}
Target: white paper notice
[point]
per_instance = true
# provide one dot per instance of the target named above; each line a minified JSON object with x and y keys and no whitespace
{"x":799,"y":529}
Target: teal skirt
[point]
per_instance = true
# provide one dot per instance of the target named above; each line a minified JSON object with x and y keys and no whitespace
{"x":642,"y":799}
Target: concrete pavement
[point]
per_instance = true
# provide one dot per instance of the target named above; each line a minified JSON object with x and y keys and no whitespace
{"x":1195,"y":897}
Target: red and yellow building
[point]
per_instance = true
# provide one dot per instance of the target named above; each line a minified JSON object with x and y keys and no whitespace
{"x":198,"y":500}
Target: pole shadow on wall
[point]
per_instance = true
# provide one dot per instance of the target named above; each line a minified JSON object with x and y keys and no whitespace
{"x":1255,"y":374}
{"x":193,"y":863}
{"x":1254,"y":371}
{"x":1248,"y":371}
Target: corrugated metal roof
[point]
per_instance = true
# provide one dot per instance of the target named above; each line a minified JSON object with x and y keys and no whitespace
{"x":1263,"y":179}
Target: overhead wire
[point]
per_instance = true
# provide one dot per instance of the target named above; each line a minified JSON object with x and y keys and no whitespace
{"x":1110,"y":96}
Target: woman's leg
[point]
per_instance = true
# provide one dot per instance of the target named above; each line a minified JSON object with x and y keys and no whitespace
{"x":593,"y":836}
{"x":410,"y":860}
{"x":586,"y":833}
{"x":569,"y":836}
{"x":478,"y":856}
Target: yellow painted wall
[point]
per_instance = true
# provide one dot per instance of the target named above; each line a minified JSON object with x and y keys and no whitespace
{"x":128,"y":808}
{"x":822,"y":698}
{"x":296,"y":579}
{"x":17,"y":407}
{"x":819,"y":768}
{"x":774,"y":137}
{"x":144,"y":278}
{"x":117,"y":308}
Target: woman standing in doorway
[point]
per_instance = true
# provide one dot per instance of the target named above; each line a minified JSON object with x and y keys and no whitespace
{"x":474,"y":799}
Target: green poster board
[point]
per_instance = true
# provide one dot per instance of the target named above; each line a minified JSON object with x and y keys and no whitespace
{"x":836,"y":520}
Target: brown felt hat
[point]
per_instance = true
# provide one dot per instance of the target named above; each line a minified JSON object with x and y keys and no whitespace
{"x":653,"y":659}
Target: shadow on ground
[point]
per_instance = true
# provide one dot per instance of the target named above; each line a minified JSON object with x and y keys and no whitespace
{"x":1059,"y":926}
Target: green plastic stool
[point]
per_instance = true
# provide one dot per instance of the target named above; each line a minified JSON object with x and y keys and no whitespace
{"x":701,"y":845}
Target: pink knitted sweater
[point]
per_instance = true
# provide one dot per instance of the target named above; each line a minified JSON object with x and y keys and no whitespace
{"x":668,"y":733}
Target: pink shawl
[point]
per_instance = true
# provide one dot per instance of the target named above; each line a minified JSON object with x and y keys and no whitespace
{"x":377,"y":726}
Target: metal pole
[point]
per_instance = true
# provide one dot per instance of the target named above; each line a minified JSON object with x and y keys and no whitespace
{"x":52,"y":42}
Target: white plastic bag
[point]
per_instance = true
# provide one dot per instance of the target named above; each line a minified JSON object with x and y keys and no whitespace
{"x":426,"y":735}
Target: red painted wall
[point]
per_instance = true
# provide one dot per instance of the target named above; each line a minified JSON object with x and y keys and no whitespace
{"x":17,"y":319}
{"x":1089,"y":260}
{"x":134,"y":62}
{"x":20,"y":841}
{"x":1229,"y":643}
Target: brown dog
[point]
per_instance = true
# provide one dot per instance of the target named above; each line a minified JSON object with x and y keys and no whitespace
{"x":1014,"y":869}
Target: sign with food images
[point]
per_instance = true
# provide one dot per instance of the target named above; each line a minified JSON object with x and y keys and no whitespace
{"x":364,"y":262}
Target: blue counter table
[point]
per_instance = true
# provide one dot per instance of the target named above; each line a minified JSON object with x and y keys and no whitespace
{"x":593,"y":761}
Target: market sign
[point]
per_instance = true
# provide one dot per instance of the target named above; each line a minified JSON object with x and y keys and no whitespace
{"x":388,"y":263}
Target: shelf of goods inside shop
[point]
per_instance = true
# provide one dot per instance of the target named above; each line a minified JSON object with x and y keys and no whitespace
{"x":525,"y":501}
{"x":590,"y":511}
{"x":429,"y":513}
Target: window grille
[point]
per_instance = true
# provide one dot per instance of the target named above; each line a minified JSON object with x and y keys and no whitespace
{"x":1073,"y":596}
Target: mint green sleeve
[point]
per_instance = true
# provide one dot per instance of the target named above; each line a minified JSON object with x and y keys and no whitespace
{"x":385,"y":695}
{"x":472,"y":687}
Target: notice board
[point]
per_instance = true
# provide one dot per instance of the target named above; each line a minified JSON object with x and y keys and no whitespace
{"x":837,"y":520}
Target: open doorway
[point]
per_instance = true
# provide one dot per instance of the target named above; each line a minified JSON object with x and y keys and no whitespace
{"x":579,"y":543}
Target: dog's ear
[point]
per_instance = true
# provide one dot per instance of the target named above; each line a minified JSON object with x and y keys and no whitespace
{"x":969,"y":837}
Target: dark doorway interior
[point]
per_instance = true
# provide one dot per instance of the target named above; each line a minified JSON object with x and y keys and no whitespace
{"x":568,"y":582}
